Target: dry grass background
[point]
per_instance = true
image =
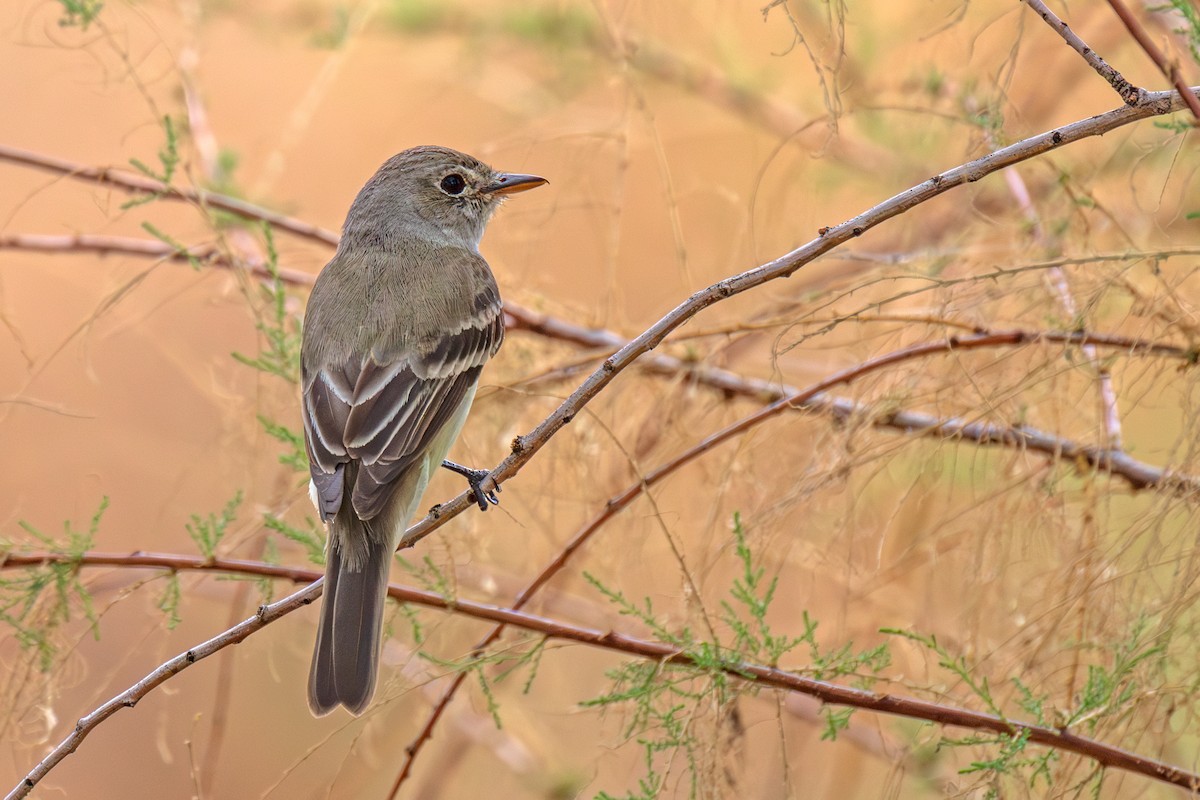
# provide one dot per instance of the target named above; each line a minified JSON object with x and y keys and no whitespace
{"x":684,"y":142}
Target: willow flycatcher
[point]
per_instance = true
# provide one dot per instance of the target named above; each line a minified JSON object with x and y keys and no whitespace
{"x":398,"y":327}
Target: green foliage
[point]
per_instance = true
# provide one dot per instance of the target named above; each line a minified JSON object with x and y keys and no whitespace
{"x":1011,"y":759}
{"x":416,"y":627}
{"x":311,"y":537}
{"x":659,"y":720}
{"x":179,"y":248}
{"x":934,"y":83}
{"x":508,"y":662}
{"x":428,"y":575}
{"x":664,"y":698}
{"x":1189,"y":30}
{"x":1108,"y":690}
{"x":955,"y":664}
{"x":207,"y":532}
{"x":560,"y":26}
{"x":80,"y":13}
{"x":1031,"y":704}
{"x":753,"y":638}
{"x":296,"y":456}
{"x":485,"y":687}
{"x":280,"y":354}
{"x":223,"y":182}
{"x":653,"y":783}
{"x":1173,"y":124}
{"x":168,"y":160}
{"x":168,"y":601}
{"x":533,"y":660}
{"x":266,"y":586}
{"x":38,"y":600}
{"x":644,"y":612}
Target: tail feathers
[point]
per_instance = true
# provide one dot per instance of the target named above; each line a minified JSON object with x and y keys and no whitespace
{"x":346,"y":657}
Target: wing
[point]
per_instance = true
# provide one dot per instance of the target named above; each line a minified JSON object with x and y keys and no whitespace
{"x":385,"y":409}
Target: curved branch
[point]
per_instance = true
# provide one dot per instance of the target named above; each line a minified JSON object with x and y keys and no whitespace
{"x":758,"y":674}
{"x":812,"y":398}
{"x":524,"y":447}
{"x":142,"y":185}
{"x":1127,"y":91}
{"x":1116,"y":462}
{"x":130,"y":697}
{"x":1169,"y":69}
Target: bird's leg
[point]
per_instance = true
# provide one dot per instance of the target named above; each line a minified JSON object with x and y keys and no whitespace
{"x":475,"y":478}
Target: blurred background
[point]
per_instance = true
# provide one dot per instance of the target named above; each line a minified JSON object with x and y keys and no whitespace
{"x":684,"y":142}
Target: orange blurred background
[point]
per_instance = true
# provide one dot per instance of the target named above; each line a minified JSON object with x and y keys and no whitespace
{"x":684,"y":142}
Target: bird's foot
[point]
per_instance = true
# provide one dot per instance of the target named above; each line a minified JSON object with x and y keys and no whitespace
{"x":476,"y":477}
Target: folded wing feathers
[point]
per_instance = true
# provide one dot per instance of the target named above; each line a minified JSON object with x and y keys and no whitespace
{"x":385,"y":414}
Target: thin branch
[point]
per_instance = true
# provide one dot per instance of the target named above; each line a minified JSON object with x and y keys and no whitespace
{"x":1110,"y":410}
{"x":524,"y":447}
{"x":1131,"y":94}
{"x":142,"y":185}
{"x":1138,"y":474}
{"x":204,"y":255}
{"x":130,"y":697}
{"x":1168,"y":68}
{"x":834,"y":694}
{"x":810,"y":398}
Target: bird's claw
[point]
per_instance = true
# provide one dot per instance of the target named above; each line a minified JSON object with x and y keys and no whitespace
{"x":475,"y":478}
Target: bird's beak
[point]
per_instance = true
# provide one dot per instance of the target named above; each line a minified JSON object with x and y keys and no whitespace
{"x":511,"y":183}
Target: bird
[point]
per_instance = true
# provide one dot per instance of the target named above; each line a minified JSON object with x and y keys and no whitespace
{"x":397,"y":329}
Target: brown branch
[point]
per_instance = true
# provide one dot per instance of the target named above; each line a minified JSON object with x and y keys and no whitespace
{"x":130,"y":697}
{"x":1138,"y":474}
{"x":204,"y":255}
{"x":142,"y":185}
{"x":1131,"y":94}
{"x":524,"y":447}
{"x":808,"y":398}
{"x":1168,"y":68}
{"x":1111,"y":415}
{"x":771,"y":677}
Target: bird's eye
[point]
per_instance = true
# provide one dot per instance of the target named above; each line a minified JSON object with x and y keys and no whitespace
{"x":453,"y":183}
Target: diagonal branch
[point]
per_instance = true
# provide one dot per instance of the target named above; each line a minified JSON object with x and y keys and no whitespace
{"x":142,"y":185}
{"x":813,"y":398}
{"x":1128,"y":92}
{"x":1117,"y":462}
{"x":524,"y":447}
{"x":1168,"y":68}
{"x":734,"y":669}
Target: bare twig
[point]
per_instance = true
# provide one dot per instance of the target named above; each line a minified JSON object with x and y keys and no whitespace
{"x":809,"y":398}
{"x":1137,"y":474}
{"x":1168,"y":68}
{"x":524,"y":447}
{"x":203,"y":255}
{"x":130,"y":697}
{"x":1110,"y":411}
{"x":758,"y":674}
{"x":139,"y":184}
{"x":1127,"y":91}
